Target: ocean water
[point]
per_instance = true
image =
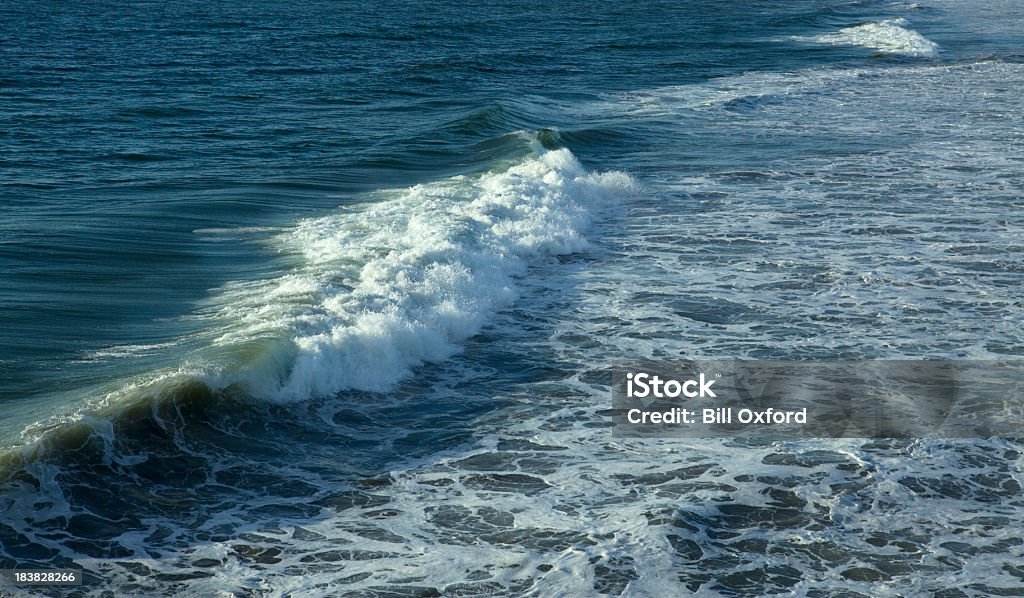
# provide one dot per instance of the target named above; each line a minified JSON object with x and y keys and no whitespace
{"x":321,"y":299}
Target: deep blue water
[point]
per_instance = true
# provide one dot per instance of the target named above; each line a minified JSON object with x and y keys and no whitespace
{"x":305,"y":300}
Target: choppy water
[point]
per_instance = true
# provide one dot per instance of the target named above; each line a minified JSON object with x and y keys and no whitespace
{"x":321,"y":299}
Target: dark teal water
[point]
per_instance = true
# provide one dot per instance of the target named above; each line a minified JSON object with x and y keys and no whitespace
{"x":305,"y":300}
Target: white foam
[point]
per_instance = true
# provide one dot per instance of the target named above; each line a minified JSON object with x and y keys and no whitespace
{"x":410,"y":277}
{"x":890,"y":36}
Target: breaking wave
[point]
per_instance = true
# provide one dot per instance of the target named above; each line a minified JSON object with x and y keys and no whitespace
{"x":891,"y":36}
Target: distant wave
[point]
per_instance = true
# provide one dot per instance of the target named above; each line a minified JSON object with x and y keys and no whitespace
{"x":769,"y":91}
{"x":890,"y":36}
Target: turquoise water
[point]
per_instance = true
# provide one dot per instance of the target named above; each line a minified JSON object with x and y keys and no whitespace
{"x":320,"y":299}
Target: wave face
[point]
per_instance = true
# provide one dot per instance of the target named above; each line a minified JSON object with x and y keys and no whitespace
{"x":406,"y":279}
{"x":891,"y":36}
{"x":375,"y":290}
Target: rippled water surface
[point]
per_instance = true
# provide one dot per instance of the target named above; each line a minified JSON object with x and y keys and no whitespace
{"x":322,"y":299}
